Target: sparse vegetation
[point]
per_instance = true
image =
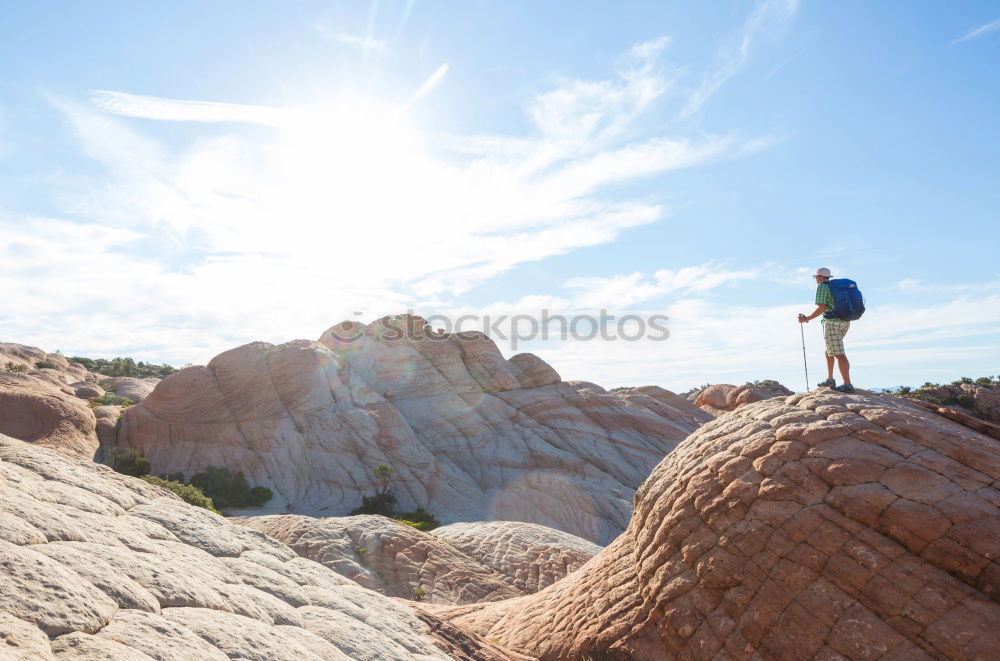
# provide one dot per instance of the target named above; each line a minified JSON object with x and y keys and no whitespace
{"x":766,"y":384}
{"x":44,"y":364}
{"x":14,"y":367}
{"x":188,"y":492}
{"x":228,"y":489}
{"x":956,"y":393}
{"x":697,"y":389}
{"x":110,"y":399}
{"x":419,"y":594}
{"x":385,"y":503}
{"x":124,"y":367}
{"x":128,"y":461}
{"x":213,"y":488}
{"x":419,"y":519}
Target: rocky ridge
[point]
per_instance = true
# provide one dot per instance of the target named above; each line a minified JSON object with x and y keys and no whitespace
{"x":44,"y":399}
{"x":472,"y":436}
{"x":815,"y":526}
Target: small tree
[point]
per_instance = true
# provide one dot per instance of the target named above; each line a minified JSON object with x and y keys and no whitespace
{"x":383,"y":476}
{"x":384,"y":501}
{"x":128,"y":461}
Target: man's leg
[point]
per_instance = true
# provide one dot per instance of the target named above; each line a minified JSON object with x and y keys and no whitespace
{"x":845,"y":368}
{"x":829,"y":368}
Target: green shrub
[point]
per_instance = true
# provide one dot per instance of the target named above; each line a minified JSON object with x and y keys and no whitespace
{"x":110,"y":399}
{"x":14,"y":367}
{"x":384,"y":504}
{"x":260,"y":495}
{"x":128,"y":461}
{"x":419,"y":519}
{"x":124,"y":367}
{"x":419,"y":594}
{"x":44,"y":364}
{"x":228,"y":489}
{"x":188,"y":492}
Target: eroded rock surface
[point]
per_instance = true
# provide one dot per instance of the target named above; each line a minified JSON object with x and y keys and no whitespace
{"x":134,"y":389}
{"x":817,"y":526}
{"x":720,"y":398}
{"x":531,"y":556}
{"x":467,"y":440}
{"x":39,"y":411}
{"x":389,"y":557}
{"x":98,"y":565}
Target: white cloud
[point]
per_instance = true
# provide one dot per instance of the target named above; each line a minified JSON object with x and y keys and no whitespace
{"x":627,"y":290}
{"x":733,"y":56}
{"x":277,"y":233}
{"x":980,"y":31}
{"x":366,"y":42}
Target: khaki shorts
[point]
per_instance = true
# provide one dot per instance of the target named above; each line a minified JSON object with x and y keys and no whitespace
{"x":834,"y":331}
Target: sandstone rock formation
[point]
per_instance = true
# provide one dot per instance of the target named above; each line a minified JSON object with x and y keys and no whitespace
{"x":35,"y":360}
{"x":389,"y":557}
{"x":468,"y":441}
{"x":96,"y":565}
{"x":130,"y":387}
{"x":720,"y":398}
{"x":658,"y":399}
{"x":38,"y":411}
{"x":531,"y":556}
{"x":978,"y":398}
{"x":817,"y":526}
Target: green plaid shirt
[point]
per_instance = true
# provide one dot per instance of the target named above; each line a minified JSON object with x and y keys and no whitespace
{"x":824,"y":296}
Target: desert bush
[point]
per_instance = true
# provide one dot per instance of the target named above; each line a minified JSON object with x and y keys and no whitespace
{"x":128,"y":461}
{"x":44,"y":364}
{"x":124,"y":367}
{"x":188,"y":492}
{"x":110,"y":399}
{"x":419,"y":518}
{"x":14,"y":367}
{"x":419,"y":594}
{"x":228,"y":489}
{"x":384,"y":504}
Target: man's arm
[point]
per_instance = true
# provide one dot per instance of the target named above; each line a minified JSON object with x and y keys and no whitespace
{"x":820,"y":309}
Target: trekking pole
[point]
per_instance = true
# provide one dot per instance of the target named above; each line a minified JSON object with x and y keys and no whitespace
{"x":802,"y":331}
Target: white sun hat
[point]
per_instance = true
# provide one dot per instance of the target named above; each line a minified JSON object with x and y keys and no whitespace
{"x":825,"y":272}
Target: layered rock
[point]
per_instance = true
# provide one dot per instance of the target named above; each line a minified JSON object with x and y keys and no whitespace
{"x":389,"y":557}
{"x":720,"y":398}
{"x":127,"y":386}
{"x":50,"y":366}
{"x":98,"y":565}
{"x":39,"y":411}
{"x":530,"y":556}
{"x":815,"y":526}
{"x":468,"y":442}
{"x":665,"y":403}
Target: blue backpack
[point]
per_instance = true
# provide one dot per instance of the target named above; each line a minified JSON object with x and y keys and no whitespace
{"x":848,"y":303}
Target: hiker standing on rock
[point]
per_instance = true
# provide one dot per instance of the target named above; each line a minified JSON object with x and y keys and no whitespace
{"x":834,"y":330}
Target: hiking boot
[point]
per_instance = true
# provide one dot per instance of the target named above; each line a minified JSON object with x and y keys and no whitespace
{"x":844,"y":388}
{"x":829,"y":383}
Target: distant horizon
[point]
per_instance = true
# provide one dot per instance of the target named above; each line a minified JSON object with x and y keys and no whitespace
{"x":792,"y":386}
{"x":170,"y":189}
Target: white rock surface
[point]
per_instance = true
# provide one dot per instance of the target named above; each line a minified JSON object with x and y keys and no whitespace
{"x":96,"y":565}
{"x":469,"y":443}
{"x":389,"y":557}
{"x":531,"y":556}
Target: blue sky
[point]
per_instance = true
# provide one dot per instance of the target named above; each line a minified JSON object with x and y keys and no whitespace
{"x":180,"y":178}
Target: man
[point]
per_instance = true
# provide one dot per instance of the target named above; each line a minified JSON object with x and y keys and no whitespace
{"x":834,"y":330}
